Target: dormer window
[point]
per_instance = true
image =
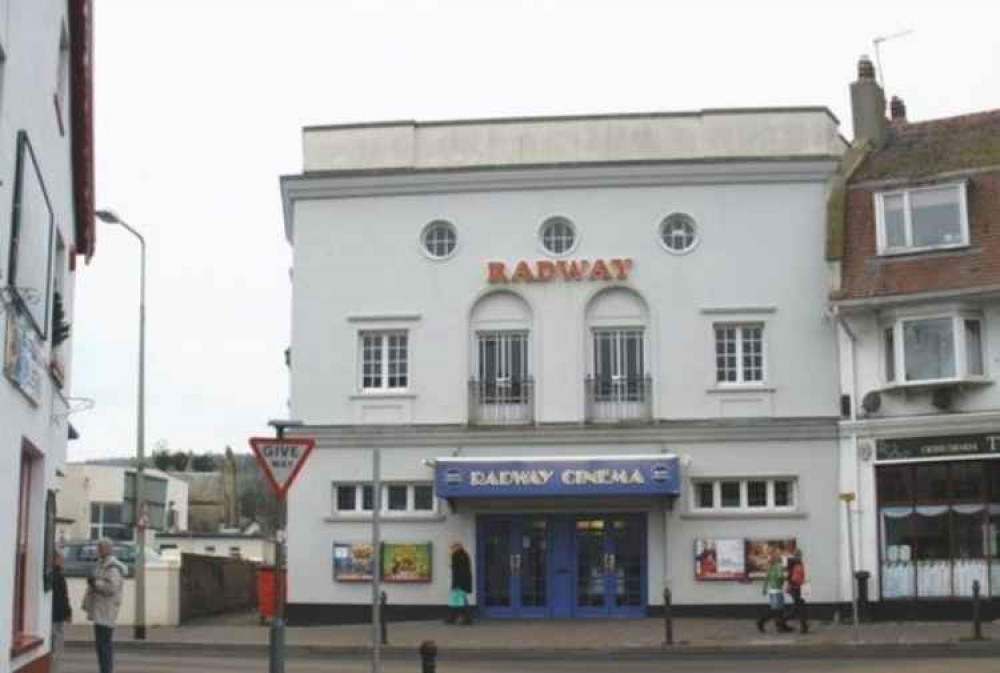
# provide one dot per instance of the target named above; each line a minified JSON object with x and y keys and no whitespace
{"x":934,"y":349}
{"x":924,"y":218}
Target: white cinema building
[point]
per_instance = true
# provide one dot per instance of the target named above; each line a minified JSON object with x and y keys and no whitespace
{"x":591,"y":349}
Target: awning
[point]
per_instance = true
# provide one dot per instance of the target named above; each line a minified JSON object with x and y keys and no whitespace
{"x":558,"y":476}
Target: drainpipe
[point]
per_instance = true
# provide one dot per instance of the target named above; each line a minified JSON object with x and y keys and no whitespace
{"x":834,"y":313}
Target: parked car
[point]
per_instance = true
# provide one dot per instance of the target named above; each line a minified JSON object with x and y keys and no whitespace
{"x":81,"y":556}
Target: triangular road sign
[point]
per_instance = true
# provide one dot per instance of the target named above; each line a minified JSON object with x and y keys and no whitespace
{"x":281,"y":459}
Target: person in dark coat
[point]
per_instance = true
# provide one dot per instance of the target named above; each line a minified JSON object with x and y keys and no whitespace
{"x":62,"y":613}
{"x":796,"y":580}
{"x":461,"y":586}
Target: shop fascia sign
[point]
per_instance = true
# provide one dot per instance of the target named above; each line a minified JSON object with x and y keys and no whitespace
{"x":458,"y":478}
{"x":546,"y":271}
{"x":937,"y":447}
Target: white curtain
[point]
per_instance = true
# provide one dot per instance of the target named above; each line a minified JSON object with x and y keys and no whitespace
{"x":933,"y":579}
{"x":897,"y":579}
{"x":968,"y":571}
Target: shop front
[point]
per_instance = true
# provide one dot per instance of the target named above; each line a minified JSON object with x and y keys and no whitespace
{"x":938,"y":504}
{"x":560,"y":538}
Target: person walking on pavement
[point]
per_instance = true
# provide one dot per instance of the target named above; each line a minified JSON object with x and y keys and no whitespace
{"x":102,"y":601}
{"x":62,"y":613}
{"x":461,"y":586}
{"x":796,"y":578}
{"x":774,"y":587}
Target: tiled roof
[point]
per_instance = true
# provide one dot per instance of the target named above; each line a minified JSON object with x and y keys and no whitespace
{"x":938,"y":146}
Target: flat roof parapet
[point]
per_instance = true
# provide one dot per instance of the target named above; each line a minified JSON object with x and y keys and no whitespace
{"x":743,"y":133}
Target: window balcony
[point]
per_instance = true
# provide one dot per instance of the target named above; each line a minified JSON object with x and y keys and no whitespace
{"x":619,"y":400}
{"x":502,"y":402}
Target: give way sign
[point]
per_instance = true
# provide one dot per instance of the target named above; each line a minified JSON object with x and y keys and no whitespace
{"x":281,"y":459}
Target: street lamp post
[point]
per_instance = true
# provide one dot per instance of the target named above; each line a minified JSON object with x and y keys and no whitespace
{"x":139,"y":513}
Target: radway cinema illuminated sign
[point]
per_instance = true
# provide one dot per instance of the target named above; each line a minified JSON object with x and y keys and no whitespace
{"x":544,"y":477}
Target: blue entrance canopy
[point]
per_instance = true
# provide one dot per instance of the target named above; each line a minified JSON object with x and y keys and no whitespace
{"x":650,"y":475}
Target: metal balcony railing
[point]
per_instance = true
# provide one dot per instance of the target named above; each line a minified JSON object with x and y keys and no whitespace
{"x":502,"y":402}
{"x":617,"y":400}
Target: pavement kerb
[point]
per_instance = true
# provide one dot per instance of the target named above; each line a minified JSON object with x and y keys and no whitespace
{"x":811,"y":651}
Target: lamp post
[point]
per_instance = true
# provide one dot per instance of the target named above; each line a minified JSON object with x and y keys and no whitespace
{"x":139,"y":514}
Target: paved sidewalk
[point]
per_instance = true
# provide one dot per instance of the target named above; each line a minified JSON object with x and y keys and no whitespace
{"x":554,"y":635}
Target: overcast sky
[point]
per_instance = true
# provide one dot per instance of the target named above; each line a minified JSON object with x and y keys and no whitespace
{"x":200,"y":104}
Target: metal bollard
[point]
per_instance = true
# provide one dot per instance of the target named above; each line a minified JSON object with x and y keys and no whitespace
{"x":383,"y":599}
{"x":668,"y":618}
{"x":977,"y":621}
{"x":428,"y":656}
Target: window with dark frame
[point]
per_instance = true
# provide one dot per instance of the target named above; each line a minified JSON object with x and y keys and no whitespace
{"x":938,"y":528}
{"x":29,"y":461}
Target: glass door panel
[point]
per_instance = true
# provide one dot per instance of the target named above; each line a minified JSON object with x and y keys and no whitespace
{"x":532,"y":566}
{"x":496,"y":566}
{"x":591,"y":581}
{"x":627,"y":558}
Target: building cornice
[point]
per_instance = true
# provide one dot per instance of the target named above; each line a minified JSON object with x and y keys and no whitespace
{"x":395,"y":182}
{"x":885,"y":301}
{"x":925,"y":425}
{"x":456,"y":436}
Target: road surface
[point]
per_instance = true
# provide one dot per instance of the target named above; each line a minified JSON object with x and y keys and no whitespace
{"x":82,"y":661}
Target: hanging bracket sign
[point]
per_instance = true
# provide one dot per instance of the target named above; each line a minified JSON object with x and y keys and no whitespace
{"x":281,"y":459}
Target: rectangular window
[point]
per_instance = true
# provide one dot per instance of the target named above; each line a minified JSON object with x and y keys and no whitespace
{"x":706,"y":495}
{"x":396,"y":498}
{"x":730,"y":494}
{"x":347,"y":497}
{"x":748,"y":495}
{"x":107,"y":520}
{"x":423,"y":498}
{"x":384,"y":361}
{"x":619,"y":365}
{"x":922,"y":219}
{"x":934,"y":349}
{"x":502,"y":367}
{"x":756,"y":494}
{"x":739,"y":353}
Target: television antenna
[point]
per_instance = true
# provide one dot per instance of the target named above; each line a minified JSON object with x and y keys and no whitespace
{"x":877,"y":43}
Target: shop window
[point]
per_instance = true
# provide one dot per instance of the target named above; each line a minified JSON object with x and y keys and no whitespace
{"x":941,"y":348}
{"x":927,"y":218}
{"x":937,"y":528}
{"x":743,"y":494}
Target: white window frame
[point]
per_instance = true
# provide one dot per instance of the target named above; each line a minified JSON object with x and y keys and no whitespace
{"x":410,"y":511}
{"x":958,"y":319}
{"x":740,"y":326}
{"x":102,"y":527}
{"x":881,"y":234}
{"x":744,"y":505}
{"x":384,"y":384}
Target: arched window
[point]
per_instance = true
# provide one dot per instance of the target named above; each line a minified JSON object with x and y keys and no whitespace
{"x":618,"y":386}
{"x":501,"y":387}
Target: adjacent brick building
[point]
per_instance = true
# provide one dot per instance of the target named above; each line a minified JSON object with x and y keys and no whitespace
{"x":914,"y":250}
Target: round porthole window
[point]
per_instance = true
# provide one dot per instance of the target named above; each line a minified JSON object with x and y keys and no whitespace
{"x":678,"y":233}
{"x":440,"y":239}
{"x":558,"y":236}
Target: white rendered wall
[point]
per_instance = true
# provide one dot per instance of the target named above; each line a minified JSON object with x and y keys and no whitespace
{"x":358,"y":260}
{"x":163,"y":597}
{"x":314,"y":526}
{"x":29,"y":36}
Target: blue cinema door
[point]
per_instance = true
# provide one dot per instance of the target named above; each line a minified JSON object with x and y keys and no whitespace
{"x":610,"y":566}
{"x":513,"y":567}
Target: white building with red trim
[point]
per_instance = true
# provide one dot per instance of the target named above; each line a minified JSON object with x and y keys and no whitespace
{"x":46,"y":225}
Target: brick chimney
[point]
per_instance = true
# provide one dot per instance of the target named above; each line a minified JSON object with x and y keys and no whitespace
{"x":868,"y":105}
{"x":897,"y":110}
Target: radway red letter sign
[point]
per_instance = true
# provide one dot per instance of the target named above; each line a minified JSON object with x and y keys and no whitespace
{"x":281,"y":459}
